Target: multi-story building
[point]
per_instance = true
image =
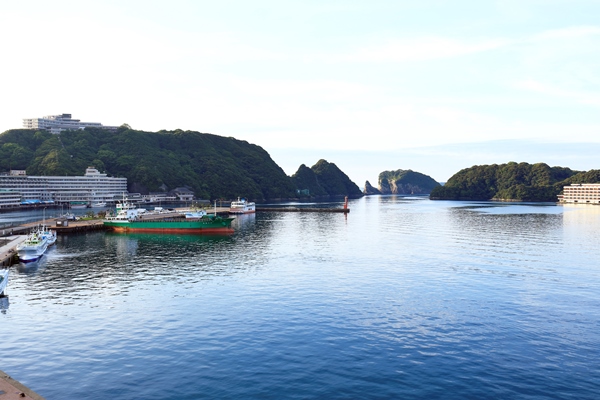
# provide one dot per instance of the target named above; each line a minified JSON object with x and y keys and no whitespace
{"x":9,"y":198}
{"x":582,"y":193}
{"x":90,"y":188}
{"x":59,"y":123}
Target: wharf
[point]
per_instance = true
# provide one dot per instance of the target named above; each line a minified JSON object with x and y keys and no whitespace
{"x":11,"y":389}
{"x":304,"y":209}
{"x":8,"y":245}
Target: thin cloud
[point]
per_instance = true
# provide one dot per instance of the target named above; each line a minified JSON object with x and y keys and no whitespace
{"x":568,"y":33}
{"x":592,"y":99}
{"x":418,"y":49}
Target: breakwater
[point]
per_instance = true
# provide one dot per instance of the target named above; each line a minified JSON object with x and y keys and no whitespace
{"x":303,"y":209}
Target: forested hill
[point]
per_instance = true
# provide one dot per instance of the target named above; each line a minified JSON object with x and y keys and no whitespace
{"x":511,"y":181}
{"x":213,"y":166}
{"x":324,"y":179}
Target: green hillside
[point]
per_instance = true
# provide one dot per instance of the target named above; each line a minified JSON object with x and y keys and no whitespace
{"x":511,"y":181}
{"x":213,"y":166}
{"x":324,"y":179}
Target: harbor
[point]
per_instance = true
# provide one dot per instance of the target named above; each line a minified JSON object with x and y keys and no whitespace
{"x":11,"y":237}
{"x":121,"y":316}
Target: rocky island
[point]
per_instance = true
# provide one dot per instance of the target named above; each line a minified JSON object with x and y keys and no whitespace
{"x":402,"y":182}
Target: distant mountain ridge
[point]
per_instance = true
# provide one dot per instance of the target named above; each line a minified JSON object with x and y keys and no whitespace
{"x":212,"y":166}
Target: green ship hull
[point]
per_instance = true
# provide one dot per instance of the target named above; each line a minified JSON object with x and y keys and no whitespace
{"x":206,"y":225}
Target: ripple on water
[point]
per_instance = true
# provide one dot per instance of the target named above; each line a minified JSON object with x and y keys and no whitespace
{"x":403,"y":298}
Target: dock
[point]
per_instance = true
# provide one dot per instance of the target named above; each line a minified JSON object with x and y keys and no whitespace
{"x":10,"y":238}
{"x":8,"y":253}
{"x":11,"y":389}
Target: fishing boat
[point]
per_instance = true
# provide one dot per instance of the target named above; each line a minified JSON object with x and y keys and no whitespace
{"x":242,"y":207}
{"x":33,"y":248}
{"x":48,"y":234}
{"x":3,"y":281}
{"x":129,"y":221}
{"x":99,"y":204}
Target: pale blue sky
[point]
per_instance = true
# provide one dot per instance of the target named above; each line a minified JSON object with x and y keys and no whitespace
{"x":434,"y":86}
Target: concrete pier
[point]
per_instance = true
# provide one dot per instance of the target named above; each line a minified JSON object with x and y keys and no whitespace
{"x":8,"y":252}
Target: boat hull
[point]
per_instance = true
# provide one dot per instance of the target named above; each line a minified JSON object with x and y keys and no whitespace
{"x":201,"y":226}
{"x":28,"y":258}
{"x":29,"y":254}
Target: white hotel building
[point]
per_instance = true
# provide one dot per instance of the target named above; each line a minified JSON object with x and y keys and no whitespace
{"x":581,"y":193}
{"x":59,"y":123}
{"x":91,"y":188}
{"x":9,"y":199}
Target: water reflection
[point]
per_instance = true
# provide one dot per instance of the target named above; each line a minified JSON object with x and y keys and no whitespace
{"x":32,"y":268}
{"x":244,"y":222}
{"x":4,"y":304}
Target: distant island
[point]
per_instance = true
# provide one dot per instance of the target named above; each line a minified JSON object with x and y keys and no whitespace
{"x":511,"y":182}
{"x":402,"y":182}
{"x":212,"y":166}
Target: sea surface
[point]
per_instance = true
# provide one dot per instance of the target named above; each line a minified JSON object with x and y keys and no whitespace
{"x":403,"y":298}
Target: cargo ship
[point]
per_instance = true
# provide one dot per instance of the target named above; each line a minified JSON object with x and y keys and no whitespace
{"x":128,"y":220}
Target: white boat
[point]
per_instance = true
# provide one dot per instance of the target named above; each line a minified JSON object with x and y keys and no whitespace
{"x":242,"y":207}
{"x":3,"y":280}
{"x":48,"y":234}
{"x":193,"y":213}
{"x":78,"y":204}
{"x":99,"y":204}
{"x":69,"y":216}
{"x":33,"y":248}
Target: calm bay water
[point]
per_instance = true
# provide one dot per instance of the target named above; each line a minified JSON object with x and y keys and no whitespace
{"x":404,"y":298}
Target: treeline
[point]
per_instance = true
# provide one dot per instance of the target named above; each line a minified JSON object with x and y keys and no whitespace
{"x":212,"y":166}
{"x":511,"y":181}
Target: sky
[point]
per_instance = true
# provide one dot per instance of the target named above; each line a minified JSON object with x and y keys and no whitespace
{"x":433,"y":86}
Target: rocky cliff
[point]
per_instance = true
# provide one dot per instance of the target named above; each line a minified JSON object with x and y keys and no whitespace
{"x":405,"y":182}
{"x":369,"y":189}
